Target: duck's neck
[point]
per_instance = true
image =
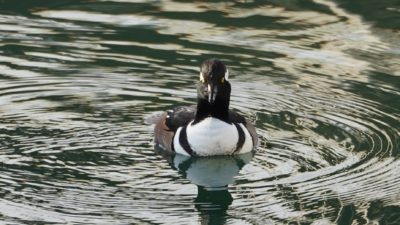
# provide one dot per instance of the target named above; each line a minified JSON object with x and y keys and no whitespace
{"x":218,"y":109}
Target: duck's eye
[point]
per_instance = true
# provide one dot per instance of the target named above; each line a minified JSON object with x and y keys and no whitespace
{"x":201,"y":77}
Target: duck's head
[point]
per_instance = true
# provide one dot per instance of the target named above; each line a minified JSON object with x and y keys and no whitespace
{"x":213,"y":80}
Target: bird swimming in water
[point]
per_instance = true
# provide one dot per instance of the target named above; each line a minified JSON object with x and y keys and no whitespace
{"x":210,"y":128}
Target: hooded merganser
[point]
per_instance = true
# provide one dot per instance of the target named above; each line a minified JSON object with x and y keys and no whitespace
{"x":210,"y":128}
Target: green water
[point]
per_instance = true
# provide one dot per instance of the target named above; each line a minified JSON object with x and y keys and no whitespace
{"x":81,"y":82}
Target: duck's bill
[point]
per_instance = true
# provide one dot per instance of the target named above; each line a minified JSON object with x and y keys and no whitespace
{"x":212,"y":93}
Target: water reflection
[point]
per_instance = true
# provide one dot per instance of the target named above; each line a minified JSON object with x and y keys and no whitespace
{"x":211,"y":175}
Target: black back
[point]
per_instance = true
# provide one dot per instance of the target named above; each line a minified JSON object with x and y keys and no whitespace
{"x":179,"y":116}
{"x":182,"y":115}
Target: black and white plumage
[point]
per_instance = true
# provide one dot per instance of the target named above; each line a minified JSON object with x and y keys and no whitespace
{"x":210,"y":128}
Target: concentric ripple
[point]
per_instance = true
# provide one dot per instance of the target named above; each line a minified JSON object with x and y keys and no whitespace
{"x":81,"y":81}
{"x":320,"y":156}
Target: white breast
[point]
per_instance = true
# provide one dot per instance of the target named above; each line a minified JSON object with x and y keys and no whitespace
{"x":212,"y":136}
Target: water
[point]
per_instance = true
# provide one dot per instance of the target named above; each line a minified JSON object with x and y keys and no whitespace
{"x":81,"y":82}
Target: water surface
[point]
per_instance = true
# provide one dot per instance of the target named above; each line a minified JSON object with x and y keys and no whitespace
{"x":81,"y":82}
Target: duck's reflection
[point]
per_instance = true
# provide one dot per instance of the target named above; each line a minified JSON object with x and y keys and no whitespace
{"x":212,"y":175}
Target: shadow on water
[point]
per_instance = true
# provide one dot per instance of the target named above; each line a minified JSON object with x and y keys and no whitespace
{"x":211,"y":175}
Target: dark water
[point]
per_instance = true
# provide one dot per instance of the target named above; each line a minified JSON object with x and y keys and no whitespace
{"x":81,"y":81}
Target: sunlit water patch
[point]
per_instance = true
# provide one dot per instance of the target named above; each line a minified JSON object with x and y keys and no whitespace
{"x":81,"y":83}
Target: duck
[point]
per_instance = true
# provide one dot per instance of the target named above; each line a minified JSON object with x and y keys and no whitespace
{"x":210,"y":127}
